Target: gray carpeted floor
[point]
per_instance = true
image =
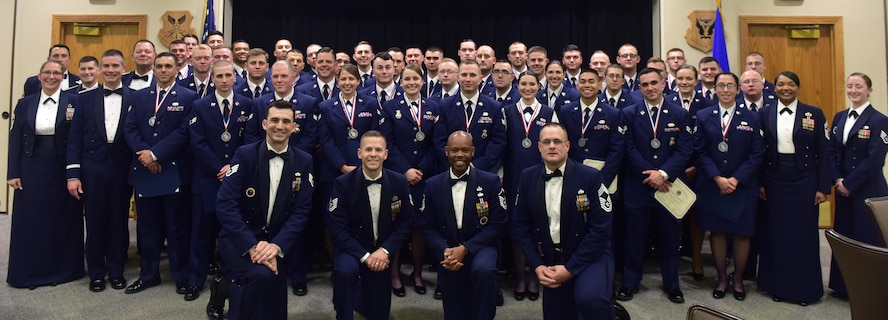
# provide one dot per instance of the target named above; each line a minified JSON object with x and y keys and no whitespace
{"x":74,"y":301}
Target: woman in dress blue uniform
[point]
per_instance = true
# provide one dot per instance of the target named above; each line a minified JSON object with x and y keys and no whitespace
{"x":860,"y":141}
{"x":46,"y":239}
{"x":730,"y":149}
{"x":556,"y":94}
{"x":345,"y":118}
{"x":687,"y":97}
{"x":796,"y":179}
{"x":524,"y":120}
{"x":409,"y":121}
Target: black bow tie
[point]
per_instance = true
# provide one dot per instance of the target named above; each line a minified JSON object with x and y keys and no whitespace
{"x":118,"y":91}
{"x":853,"y":114}
{"x":556,"y":173}
{"x":367,"y":183}
{"x":137,"y":77}
{"x":283,"y":155}
{"x":785,"y":109}
{"x":464,"y":178}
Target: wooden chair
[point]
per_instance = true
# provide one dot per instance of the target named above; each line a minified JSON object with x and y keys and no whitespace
{"x":864,"y":268}
{"x":879,"y":208}
{"x":702,"y":312}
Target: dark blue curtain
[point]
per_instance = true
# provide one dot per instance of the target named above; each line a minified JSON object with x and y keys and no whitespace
{"x":591,"y":25}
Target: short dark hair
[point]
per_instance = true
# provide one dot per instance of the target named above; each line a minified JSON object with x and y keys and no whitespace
{"x":708,"y":59}
{"x":385,"y":56}
{"x":86,"y":59}
{"x":791,"y":75}
{"x":674,"y":50}
{"x":736,"y":80}
{"x":144,"y":41}
{"x":113,"y":53}
{"x":167,"y":54}
{"x":650,"y":70}
{"x":216,"y":33}
{"x":614,"y":66}
{"x":593,"y":72}
{"x":192,"y":36}
{"x":59,"y":45}
{"x":373,"y":134}
{"x":555,"y":125}
{"x":538,"y":49}
{"x":570,"y":47}
{"x":280,"y":104}
{"x":177,"y":41}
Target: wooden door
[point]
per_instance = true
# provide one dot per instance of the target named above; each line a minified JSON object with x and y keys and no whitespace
{"x":117,"y":32}
{"x":818,"y":62}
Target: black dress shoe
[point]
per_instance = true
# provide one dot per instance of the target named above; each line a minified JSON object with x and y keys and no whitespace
{"x":620,"y":312}
{"x":697,"y":276}
{"x":300,"y":289}
{"x":500,"y":301}
{"x":214,"y":312}
{"x":399,"y":292}
{"x":419,"y":289}
{"x":519,"y":295}
{"x":438,"y":294}
{"x":213,"y":269}
{"x":140,"y":285}
{"x":776,"y":299}
{"x":718,"y":294}
{"x":839,"y":295}
{"x":181,"y":286}
{"x":626,"y":293}
{"x":117,"y":283}
{"x":533,"y":296}
{"x":739,"y":295}
{"x":192,"y":293}
{"x":97,"y":285}
{"x":675,"y":295}
{"x":218,"y":295}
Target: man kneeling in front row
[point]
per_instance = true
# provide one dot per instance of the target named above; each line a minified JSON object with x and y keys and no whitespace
{"x":263,"y":206}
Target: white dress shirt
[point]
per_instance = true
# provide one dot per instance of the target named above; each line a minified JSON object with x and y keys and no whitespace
{"x":113,"y":107}
{"x":851,"y":121}
{"x":553,"y":204}
{"x":137,"y":84}
{"x":47,"y":111}
{"x":458,"y":194}
{"x":275,"y":171}
{"x":374,"y":193}
{"x":785,"y":124}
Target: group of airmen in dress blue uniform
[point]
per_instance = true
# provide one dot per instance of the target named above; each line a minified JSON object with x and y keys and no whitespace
{"x":544,"y":163}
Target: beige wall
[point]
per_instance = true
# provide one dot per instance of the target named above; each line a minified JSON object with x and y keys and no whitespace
{"x":863,"y":22}
{"x":32,"y":21}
